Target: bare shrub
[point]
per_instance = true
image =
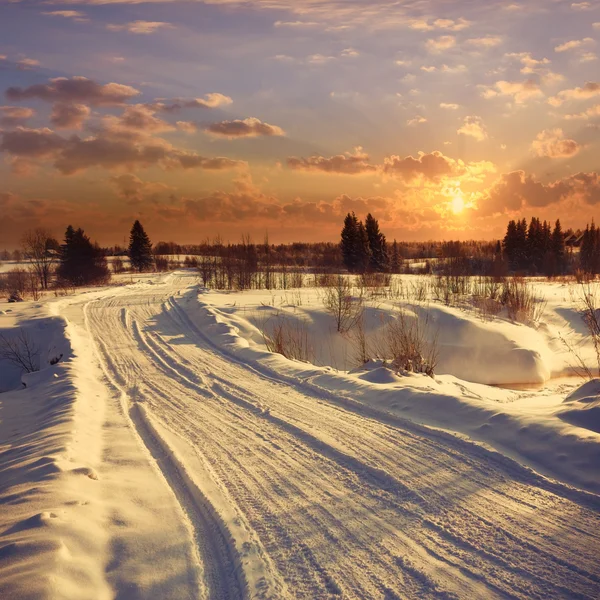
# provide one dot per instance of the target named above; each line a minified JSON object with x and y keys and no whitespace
{"x":521,"y":302}
{"x":289,"y":338}
{"x":408,"y":344}
{"x":360,"y":345}
{"x":340,"y":303}
{"x":117,"y":265}
{"x":21,"y":350}
{"x":296,"y":279}
{"x":161,"y":263}
{"x":417,"y":291}
{"x":591,"y":316}
{"x":17,"y":280}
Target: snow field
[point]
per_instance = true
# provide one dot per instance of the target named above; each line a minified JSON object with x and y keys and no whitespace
{"x":226,"y":471}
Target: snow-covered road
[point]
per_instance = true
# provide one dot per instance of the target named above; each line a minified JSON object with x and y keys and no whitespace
{"x":277,"y":491}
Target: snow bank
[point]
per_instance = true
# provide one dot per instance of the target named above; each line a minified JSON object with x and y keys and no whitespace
{"x":584,"y":406}
{"x":45,"y":331}
{"x":50,"y":540}
{"x":523,"y":426}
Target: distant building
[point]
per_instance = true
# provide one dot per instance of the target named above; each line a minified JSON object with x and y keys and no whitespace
{"x":573,"y":240}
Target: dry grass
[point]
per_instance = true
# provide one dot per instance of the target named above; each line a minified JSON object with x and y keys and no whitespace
{"x":287,"y":337}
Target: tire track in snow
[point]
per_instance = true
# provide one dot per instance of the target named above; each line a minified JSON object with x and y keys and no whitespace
{"x":335,"y":523}
{"x":217,"y":557}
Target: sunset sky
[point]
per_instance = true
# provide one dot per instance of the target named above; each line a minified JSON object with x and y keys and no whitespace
{"x":442,"y":118}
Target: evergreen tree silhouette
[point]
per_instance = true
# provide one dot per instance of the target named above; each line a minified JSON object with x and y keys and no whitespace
{"x":140,"y":249}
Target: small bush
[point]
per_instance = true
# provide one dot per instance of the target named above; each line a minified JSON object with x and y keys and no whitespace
{"x":407,"y":343}
{"x":20,"y":350}
{"x":288,"y":338}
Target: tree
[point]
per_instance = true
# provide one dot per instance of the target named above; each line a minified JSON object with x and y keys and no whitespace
{"x":349,"y":242}
{"x":81,"y":261}
{"x":42,"y":252}
{"x":378,"y":255}
{"x":557,"y":247}
{"x":140,"y":249}
{"x":396,"y":259}
{"x":363,"y":251}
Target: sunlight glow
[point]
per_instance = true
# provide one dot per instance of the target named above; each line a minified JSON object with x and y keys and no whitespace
{"x":457,"y":204}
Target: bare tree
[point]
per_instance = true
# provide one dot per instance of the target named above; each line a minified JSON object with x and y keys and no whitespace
{"x":20,"y":350}
{"x":42,"y":252}
{"x":338,"y":301}
{"x":591,"y":317}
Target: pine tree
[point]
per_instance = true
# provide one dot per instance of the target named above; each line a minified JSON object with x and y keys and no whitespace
{"x":396,"y":258}
{"x":510,"y":244}
{"x":349,"y":242}
{"x":378,"y":260}
{"x":557,"y":247}
{"x":363,"y":251}
{"x":140,"y":249}
{"x":81,"y":261}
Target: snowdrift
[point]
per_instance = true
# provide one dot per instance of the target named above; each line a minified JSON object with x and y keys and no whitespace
{"x":526,"y":428}
{"x":584,"y":406}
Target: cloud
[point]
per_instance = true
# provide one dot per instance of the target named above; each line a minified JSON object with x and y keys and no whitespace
{"x":319,"y":59}
{"x":69,"y":116}
{"x":138,"y":118}
{"x":418,"y":120}
{"x":581,"y":6}
{"x":473,"y":127}
{"x":296,"y":24}
{"x":428,"y":167}
{"x":552,"y":143}
{"x":444,"y":42}
{"x":135,"y":190}
{"x":591,"y":89}
{"x":530,"y":64}
{"x":521,"y":91}
{"x":73,"y":15}
{"x":593,"y":111}
{"x":573,"y":44}
{"x":349,"y":163}
{"x":27,"y":63}
{"x":187,"y":126}
{"x":447,"y":106}
{"x":74,"y":154}
{"x":141,"y":27}
{"x":448,"y":24}
{"x":513,"y":192}
{"x":75,"y":89}
{"x":211,"y":100}
{"x":11,"y":116}
{"x":250,"y":127}
{"x":490,"y":41}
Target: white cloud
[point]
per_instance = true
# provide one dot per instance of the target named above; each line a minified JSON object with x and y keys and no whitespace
{"x":444,"y":42}
{"x":141,"y":27}
{"x":489,"y":41}
{"x":573,"y":44}
{"x":473,"y":127}
{"x":552,"y":143}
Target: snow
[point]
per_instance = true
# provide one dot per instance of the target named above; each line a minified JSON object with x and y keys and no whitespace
{"x":170,"y":455}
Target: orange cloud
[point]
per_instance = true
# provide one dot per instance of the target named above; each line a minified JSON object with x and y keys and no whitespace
{"x":11,"y":116}
{"x":250,"y":127}
{"x":552,"y":143}
{"x":349,"y":163}
{"x":69,"y":116}
{"x":75,"y":89}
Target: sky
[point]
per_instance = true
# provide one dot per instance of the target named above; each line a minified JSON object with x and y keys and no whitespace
{"x":442,"y":118}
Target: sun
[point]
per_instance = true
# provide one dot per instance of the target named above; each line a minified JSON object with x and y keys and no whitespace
{"x":457,"y":204}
